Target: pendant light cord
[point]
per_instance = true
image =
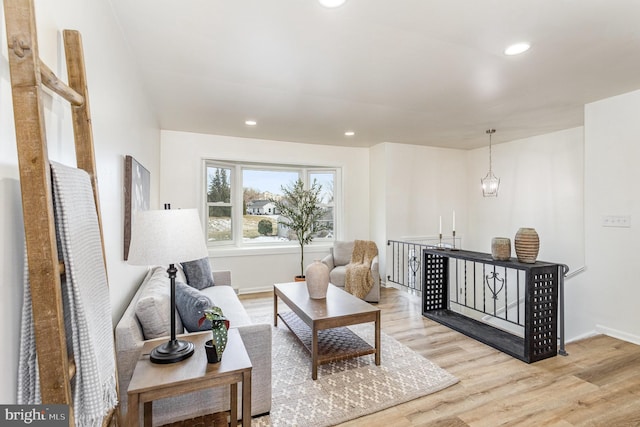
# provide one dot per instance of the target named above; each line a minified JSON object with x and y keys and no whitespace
{"x":490,"y":132}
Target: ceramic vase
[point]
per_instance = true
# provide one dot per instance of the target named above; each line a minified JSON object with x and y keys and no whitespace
{"x":501,"y":248}
{"x":215,"y":347}
{"x":527,"y":245}
{"x":317,"y":275}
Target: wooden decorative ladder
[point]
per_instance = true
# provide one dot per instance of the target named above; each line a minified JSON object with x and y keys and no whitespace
{"x":28,"y":74}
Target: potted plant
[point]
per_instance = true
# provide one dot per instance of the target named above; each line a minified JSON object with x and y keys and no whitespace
{"x":219,"y":326}
{"x":300,"y":211}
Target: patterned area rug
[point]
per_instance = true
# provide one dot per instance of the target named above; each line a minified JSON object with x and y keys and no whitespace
{"x":345,"y":389}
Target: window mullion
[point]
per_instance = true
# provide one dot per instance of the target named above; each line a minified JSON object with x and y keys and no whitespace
{"x":238,"y":206}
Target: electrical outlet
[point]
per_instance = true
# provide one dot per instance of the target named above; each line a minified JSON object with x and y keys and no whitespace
{"x":621,"y":221}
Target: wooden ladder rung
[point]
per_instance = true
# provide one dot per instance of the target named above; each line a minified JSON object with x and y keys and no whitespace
{"x":50,"y":80}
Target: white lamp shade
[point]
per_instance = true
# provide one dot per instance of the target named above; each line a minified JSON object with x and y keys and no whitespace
{"x":162,"y":237}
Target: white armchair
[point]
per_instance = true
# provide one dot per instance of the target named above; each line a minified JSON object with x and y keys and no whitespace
{"x":337,"y":262}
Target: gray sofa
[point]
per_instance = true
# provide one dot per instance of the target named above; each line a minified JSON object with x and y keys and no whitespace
{"x":337,"y":262}
{"x":151,"y":303}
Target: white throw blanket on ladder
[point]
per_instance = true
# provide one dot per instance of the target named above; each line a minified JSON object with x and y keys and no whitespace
{"x":87,"y":310}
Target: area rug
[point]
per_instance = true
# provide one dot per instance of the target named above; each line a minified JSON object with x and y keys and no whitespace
{"x":345,"y":389}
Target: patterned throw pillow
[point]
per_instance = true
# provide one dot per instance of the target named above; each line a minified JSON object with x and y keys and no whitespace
{"x":198,"y":273}
{"x":191,"y":304}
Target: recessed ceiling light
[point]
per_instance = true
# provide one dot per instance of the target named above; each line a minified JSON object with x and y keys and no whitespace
{"x":250,"y":122}
{"x":349,"y":133}
{"x":516,"y":49}
{"x":332,"y":3}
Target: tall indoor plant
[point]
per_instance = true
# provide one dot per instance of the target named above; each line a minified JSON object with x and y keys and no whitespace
{"x":301,"y":212}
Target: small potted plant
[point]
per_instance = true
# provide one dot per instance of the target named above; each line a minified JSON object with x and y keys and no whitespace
{"x":301,"y":212}
{"x":219,"y":326}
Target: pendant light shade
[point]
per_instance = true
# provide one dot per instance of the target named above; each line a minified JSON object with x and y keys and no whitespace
{"x":490,"y":182}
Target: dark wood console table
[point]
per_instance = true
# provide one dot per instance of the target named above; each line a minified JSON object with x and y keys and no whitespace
{"x":504,"y":287}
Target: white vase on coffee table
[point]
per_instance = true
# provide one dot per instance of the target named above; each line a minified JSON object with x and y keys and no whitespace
{"x":317,"y":278}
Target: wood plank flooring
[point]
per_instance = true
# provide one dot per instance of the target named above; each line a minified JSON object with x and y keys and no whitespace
{"x":598,"y":384}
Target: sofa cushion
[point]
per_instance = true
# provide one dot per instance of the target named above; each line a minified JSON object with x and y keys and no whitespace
{"x":153,"y":308}
{"x":342,"y":252}
{"x":338,"y":275}
{"x":198,"y":273}
{"x":225,"y":297}
{"x":191,"y":304}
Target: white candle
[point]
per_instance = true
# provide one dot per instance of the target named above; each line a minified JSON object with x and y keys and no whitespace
{"x":454,"y":220}
{"x":440,"y":224}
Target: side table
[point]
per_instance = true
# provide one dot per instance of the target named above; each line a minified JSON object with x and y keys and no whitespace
{"x":151,"y":381}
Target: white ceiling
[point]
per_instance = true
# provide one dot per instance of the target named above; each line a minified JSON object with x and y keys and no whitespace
{"x":428,"y":72}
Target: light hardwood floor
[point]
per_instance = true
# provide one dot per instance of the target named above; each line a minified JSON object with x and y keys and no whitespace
{"x":598,"y":384}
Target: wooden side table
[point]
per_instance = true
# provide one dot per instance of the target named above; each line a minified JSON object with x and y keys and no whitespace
{"x":151,"y":381}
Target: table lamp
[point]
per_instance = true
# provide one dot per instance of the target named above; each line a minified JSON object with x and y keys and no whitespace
{"x":166,"y":237}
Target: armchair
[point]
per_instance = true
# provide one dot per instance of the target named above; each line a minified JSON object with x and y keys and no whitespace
{"x":337,"y":262}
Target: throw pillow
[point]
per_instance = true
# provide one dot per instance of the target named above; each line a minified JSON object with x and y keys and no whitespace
{"x":198,"y":273}
{"x":342,"y":252}
{"x":191,"y":304}
{"x":153,"y":308}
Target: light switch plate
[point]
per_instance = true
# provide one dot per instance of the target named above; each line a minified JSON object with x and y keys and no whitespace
{"x":621,"y":221}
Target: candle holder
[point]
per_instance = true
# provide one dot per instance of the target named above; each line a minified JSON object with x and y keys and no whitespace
{"x":440,"y":247}
{"x":454,"y":242}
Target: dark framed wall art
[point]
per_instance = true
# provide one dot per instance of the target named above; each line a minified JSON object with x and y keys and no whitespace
{"x":137,"y":192}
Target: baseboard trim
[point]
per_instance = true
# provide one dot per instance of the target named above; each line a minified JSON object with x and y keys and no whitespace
{"x":243,"y":291}
{"x":621,"y":335}
{"x":582,"y":337}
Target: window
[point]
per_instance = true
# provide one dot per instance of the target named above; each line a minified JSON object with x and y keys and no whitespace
{"x":255,"y":220}
{"x":259,"y":187}
{"x":327,"y":181}
{"x":219,"y":206}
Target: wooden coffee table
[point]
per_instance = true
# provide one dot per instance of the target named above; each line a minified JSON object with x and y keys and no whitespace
{"x":319,"y":324}
{"x":152,"y":381}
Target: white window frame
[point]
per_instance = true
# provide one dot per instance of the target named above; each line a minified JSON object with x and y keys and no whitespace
{"x":237,"y":189}
{"x":207,"y":204}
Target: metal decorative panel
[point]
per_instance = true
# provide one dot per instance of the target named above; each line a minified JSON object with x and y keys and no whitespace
{"x":435,"y":282}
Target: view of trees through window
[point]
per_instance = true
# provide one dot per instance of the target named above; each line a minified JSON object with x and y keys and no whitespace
{"x":219,"y":227}
{"x":258,"y":186}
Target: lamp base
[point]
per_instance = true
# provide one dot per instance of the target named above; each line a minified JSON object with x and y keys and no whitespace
{"x":172,"y":352}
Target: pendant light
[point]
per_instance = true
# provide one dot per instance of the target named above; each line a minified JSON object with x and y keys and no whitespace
{"x":490,"y":182}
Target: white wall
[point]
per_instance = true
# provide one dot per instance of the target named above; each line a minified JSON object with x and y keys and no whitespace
{"x":424,"y":183}
{"x":182,"y":185}
{"x":122,"y":125}
{"x":611,"y":296}
{"x":377,"y":205}
{"x":419,"y":185}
